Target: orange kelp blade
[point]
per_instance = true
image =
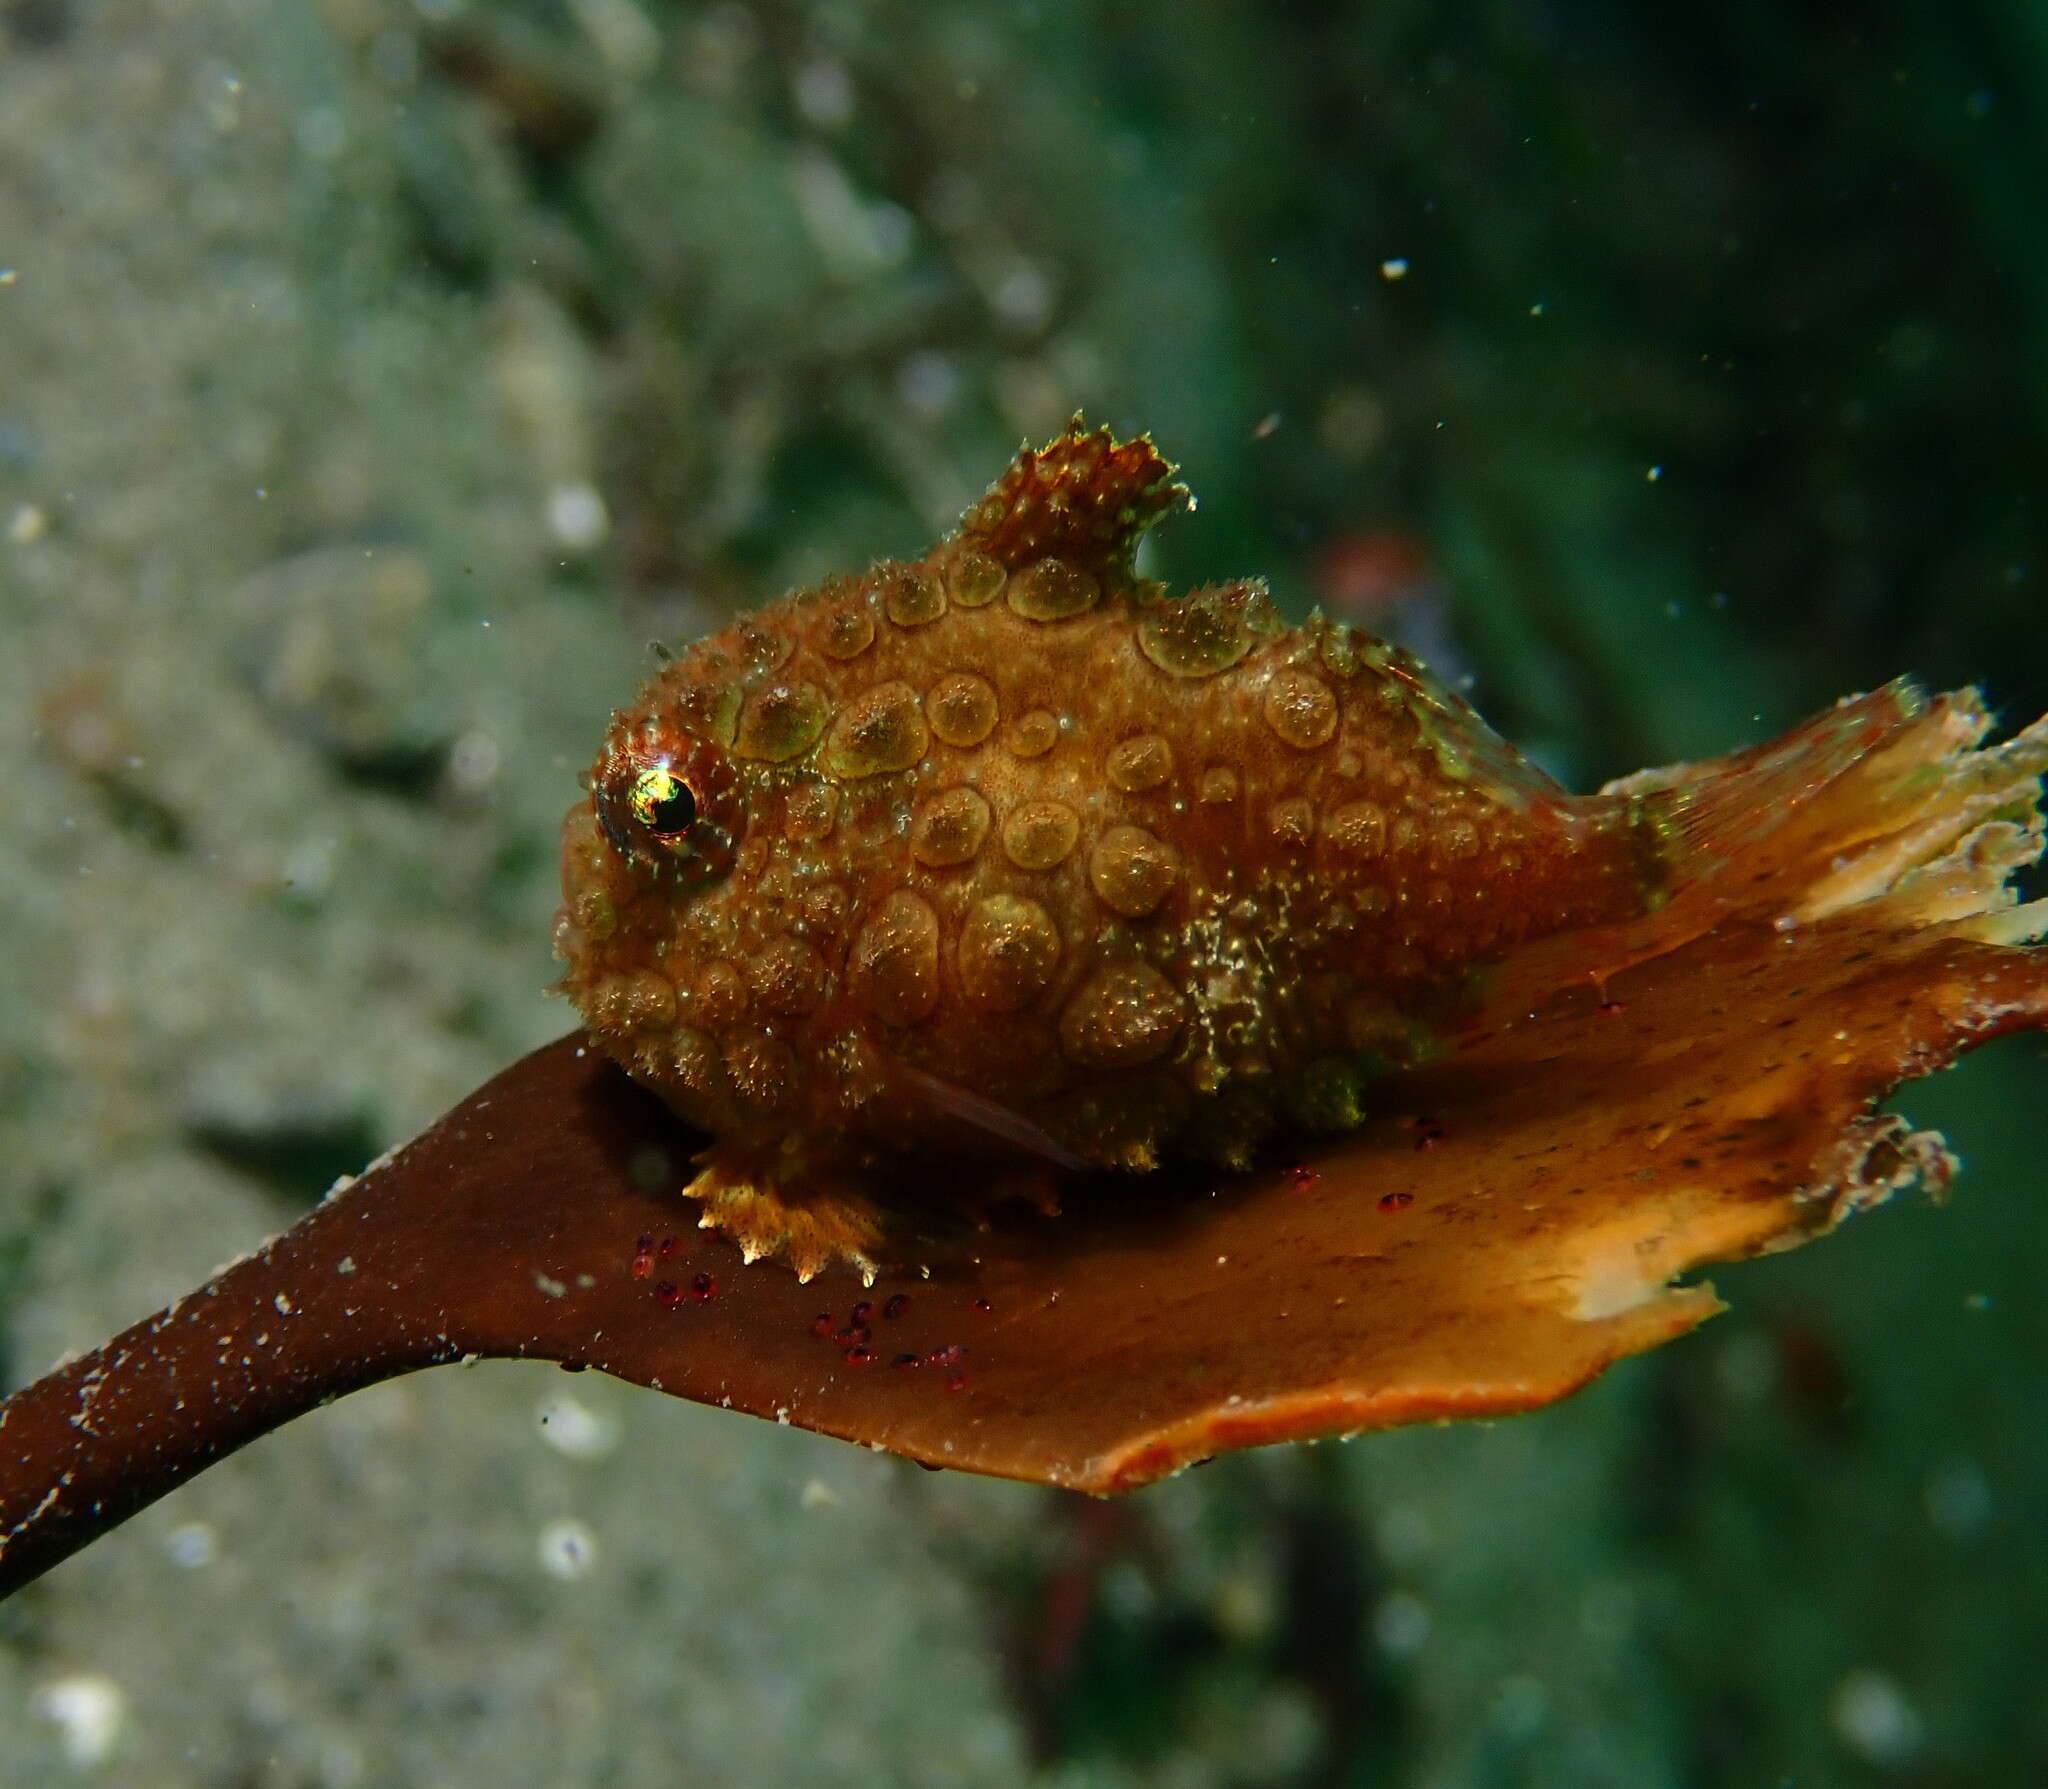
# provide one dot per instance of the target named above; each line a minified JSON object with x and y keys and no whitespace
{"x":1507,"y":1228}
{"x":1699,"y":1089}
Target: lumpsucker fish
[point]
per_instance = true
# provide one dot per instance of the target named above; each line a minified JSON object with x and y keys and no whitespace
{"x":1012,"y":855}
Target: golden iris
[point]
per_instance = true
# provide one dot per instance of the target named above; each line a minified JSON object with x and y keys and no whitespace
{"x":661,"y":801}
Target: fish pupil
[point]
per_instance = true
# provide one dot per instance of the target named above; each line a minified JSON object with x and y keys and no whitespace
{"x":663,"y":804}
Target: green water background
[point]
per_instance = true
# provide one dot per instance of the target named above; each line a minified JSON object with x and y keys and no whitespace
{"x":377,"y":378}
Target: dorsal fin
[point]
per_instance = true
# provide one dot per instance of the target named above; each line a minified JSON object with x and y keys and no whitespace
{"x":1084,"y":496}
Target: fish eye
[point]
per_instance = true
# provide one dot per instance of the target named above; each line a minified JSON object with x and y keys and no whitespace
{"x":663,"y":803}
{"x":670,"y":807}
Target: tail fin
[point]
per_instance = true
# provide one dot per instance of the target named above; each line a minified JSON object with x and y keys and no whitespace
{"x":1888,"y":803}
{"x":1701,"y":816}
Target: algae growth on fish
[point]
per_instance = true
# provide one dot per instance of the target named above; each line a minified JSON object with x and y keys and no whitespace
{"x":1010,"y":853}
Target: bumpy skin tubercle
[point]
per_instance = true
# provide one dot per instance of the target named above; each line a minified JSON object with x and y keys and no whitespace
{"x":1008,"y":852}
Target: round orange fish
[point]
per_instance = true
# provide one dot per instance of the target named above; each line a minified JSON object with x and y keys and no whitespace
{"x":1007,"y":852}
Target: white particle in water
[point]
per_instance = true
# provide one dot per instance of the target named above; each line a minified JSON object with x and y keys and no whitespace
{"x":88,"y":1710}
{"x":1873,"y":1719}
{"x":566,"y":1549}
{"x":570,"y":1426}
{"x":577,"y":516}
{"x":192,"y":1545}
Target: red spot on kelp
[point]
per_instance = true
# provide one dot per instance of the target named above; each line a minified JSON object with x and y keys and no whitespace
{"x":1396,"y":1201}
{"x":896,"y":1306}
{"x":703,"y":1287}
{"x":669,"y":1293}
{"x":858,"y":1355}
{"x":982,"y":1304}
{"x":1301,"y":1177}
{"x":821,"y":1325}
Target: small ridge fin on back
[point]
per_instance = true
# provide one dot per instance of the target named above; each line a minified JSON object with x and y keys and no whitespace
{"x":1084,"y":496}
